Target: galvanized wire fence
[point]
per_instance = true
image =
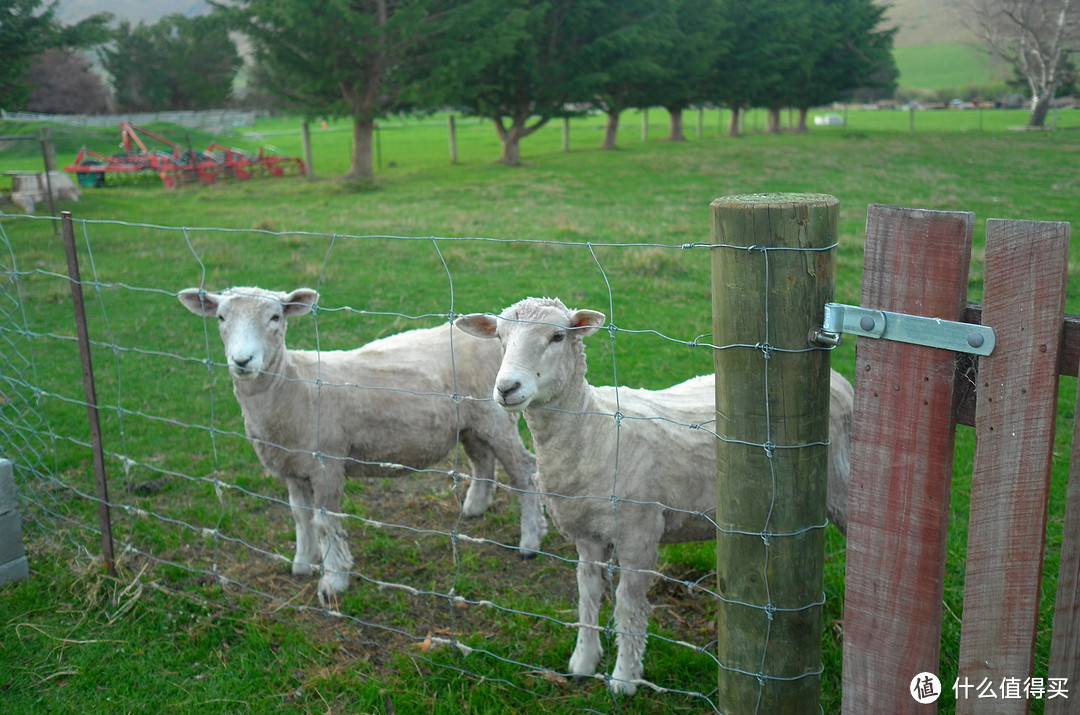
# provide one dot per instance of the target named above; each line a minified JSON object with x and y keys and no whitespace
{"x":191,"y":505}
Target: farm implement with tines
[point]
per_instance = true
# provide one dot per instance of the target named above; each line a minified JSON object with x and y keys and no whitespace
{"x":178,"y":164}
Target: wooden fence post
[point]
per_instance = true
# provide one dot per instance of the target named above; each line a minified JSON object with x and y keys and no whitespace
{"x":451,"y":130}
{"x":1015,"y":414}
{"x":773,"y":272}
{"x":916,"y":262}
{"x":305,"y":142}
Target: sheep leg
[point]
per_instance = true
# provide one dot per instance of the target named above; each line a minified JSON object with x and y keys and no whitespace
{"x":481,"y":491}
{"x":328,"y":487}
{"x":631,"y":622}
{"x":590,"y":578}
{"x":521,"y":467}
{"x":307,"y":548}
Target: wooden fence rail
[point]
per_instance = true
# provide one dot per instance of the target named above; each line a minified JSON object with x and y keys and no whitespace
{"x":908,"y":401}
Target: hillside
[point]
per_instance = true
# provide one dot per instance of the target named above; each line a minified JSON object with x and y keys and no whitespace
{"x":134,"y":11}
{"x":926,"y":22}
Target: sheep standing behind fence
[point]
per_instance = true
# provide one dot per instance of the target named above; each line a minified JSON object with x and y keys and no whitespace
{"x":626,"y":484}
{"x":315,"y":417}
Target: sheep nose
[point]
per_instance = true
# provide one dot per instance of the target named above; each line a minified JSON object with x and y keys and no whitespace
{"x":243,"y":363}
{"x":504,"y":393}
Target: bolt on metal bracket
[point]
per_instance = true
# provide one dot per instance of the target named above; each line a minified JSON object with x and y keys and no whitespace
{"x":914,"y":329}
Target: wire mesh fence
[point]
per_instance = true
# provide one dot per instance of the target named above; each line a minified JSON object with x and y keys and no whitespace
{"x":191,"y":503}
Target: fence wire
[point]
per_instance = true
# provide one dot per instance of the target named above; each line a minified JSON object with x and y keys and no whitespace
{"x":190,"y":501}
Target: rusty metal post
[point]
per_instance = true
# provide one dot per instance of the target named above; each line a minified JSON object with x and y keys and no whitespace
{"x":90,"y":391}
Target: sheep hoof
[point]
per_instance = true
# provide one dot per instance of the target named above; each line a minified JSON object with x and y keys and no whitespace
{"x":525,"y":555}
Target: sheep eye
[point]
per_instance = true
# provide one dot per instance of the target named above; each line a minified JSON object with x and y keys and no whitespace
{"x":221,"y":318}
{"x":558,"y":337}
{"x":275,"y":318}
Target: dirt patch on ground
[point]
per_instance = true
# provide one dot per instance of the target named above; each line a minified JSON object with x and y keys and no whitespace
{"x":425,"y":577}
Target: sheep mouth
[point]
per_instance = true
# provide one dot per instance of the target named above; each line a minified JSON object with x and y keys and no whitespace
{"x":513,"y":405}
{"x":242,"y":373}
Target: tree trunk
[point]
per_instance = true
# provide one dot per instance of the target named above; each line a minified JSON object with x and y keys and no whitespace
{"x":363,"y":130}
{"x":676,"y":132}
{"x":1040,"y":106}
{"x":611,"y":128}
{"x":510,"y":138}
{"x":733,"y":122}
{"x":773,"y":120}
{"x":801,"y":126}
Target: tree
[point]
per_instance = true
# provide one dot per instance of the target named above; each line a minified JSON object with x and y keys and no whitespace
{"x":696,"y":41}
{"x":631,"y":54}
{"x":344,"y":58}
{"x":27,"y":30}
{"x":1034,"y":37}
{"x":848,"y":51}
{"x":543,"y":57}
{"x":177,"y":63}
{"x":746,"y":66}
{"x":63,"y":84}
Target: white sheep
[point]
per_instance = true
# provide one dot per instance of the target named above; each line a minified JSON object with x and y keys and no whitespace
{"x":314,"y":417}
{"x":618,"y":469}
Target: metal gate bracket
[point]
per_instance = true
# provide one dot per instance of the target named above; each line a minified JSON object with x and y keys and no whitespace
{"x":882,"y":324}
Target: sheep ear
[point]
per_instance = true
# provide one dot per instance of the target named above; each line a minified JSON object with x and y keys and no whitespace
{"x":299,"y":301}
{"x":586,"y":322}
{"x":199,"y":301}
{"x":478,"y":325}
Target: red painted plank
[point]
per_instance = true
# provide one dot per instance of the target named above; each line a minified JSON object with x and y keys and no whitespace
{"x":915,"y":262}
{"x":1065,"y":644}
{"x":1015,"y":413}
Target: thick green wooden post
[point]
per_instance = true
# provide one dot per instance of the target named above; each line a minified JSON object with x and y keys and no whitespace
{"x":773,"y":271}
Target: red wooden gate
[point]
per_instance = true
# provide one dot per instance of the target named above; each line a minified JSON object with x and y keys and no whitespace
{"x":909,"y":399}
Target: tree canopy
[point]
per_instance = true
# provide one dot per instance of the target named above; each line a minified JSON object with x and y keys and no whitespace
{"x":27,"y":30}
{"x":176,"y":63}
{"x":1034,"y":37}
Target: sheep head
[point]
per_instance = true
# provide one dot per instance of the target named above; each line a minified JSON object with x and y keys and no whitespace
{"x":251,"y":321}
{"x":542,"y":350}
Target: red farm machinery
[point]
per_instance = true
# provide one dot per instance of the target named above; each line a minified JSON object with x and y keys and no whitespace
{"x":178,"y":164}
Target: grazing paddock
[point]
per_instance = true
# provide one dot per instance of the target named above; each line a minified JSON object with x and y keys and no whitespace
{"x":152,"y":637}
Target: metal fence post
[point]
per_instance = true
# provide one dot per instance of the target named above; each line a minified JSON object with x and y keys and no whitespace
{"x":90,"y":391}
{"x":773,"y":271}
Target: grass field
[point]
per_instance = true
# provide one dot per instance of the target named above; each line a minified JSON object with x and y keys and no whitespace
{"x":604,"y":230}
{"x":933,"y":66}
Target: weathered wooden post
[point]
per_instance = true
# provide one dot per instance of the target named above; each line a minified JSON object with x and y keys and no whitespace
{"x":773,"y":272}
{"x":305,"y":142}
{"x":451,"y":131}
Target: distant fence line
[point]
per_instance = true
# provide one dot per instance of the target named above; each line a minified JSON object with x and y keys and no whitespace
{"x":211,"y":120}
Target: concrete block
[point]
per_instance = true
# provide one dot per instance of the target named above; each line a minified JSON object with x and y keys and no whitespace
{"x":7,"y":486}
{"x":11,"y":544}
{"x":13,"y":571}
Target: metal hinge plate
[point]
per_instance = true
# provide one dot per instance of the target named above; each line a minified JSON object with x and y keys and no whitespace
{"x":918,"y":330}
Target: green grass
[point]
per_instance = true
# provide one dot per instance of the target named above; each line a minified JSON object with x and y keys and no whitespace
{"x":603,"y":230}
{"x":933,"y":66}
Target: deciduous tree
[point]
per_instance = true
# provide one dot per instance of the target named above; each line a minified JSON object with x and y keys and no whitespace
{"x":63,"y":83}
{"x":1035,"y":37}
{"x":26,"y":30}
